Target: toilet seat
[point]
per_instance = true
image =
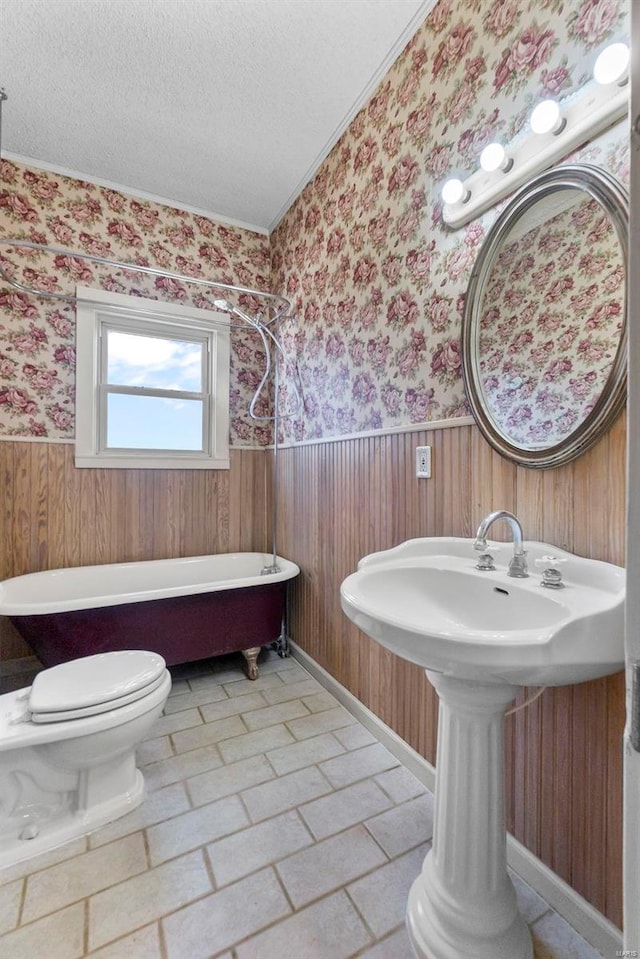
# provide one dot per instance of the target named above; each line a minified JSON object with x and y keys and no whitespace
{"x":94,"y":685}
{"x":97,"y":708}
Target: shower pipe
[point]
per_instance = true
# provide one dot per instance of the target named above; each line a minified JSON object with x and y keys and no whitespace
{"x":275,"y":419}
{"x":281,"y":644}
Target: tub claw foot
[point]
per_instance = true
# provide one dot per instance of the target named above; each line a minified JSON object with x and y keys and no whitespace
{"x":251,"y":656}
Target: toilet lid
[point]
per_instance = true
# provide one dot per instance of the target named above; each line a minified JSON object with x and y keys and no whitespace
{"x":64,"y":714}
{"x":102,"y":679}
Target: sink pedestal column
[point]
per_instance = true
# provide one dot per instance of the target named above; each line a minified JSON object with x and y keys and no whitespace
{"x":463,"y":904}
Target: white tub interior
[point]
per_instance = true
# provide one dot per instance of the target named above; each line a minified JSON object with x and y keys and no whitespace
{"x":86,"y":587}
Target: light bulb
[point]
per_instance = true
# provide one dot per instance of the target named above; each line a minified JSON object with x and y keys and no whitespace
{"x":492,"y":157}
{"x":612,"y":64}
{"x":546,"y":118}
{"x":453,"y":191}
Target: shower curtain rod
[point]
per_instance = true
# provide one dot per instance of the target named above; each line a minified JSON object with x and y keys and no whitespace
{"x":280,"y":303}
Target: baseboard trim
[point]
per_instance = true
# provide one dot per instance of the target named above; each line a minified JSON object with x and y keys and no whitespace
{"x":580,"y":914}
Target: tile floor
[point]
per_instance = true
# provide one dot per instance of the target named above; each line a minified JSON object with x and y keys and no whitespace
{"x":275,"y":827}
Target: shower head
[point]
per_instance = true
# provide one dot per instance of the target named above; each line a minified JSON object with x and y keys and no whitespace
{"x":227,"y":307}
{"x":223,"y":305}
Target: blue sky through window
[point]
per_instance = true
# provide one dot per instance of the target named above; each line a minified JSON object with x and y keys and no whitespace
{"x":153,"y":422}
{"x":153,"y":362}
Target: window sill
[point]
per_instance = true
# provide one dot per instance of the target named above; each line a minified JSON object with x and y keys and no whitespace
{"x":119,"y":461}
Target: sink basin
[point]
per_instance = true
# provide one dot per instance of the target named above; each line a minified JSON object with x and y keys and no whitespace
{"x":426,"y":601}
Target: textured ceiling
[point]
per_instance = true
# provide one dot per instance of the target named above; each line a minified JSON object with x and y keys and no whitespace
{"x":222,"y":106}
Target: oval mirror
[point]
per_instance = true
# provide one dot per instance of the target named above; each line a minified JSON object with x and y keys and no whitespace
{"x":544,"y":330}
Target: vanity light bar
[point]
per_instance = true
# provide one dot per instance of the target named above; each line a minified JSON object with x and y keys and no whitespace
{"x":589,"y":112}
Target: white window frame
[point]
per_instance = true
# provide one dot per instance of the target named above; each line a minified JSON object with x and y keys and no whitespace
{"x":99,"y":311}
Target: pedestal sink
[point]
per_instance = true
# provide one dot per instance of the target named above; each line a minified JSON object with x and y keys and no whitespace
{"x":481,"y":634}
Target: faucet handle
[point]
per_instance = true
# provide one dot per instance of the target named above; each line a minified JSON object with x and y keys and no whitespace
{"x":551,"y":562}
{"x":551,"y":574}
{"x":486,"y":561}
{"x":481,"y":546}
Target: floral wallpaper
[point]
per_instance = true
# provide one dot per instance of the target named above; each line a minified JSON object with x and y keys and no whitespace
{"x":376,"y":278}
{"x":37,"y":335}
{"x":551,"y":322}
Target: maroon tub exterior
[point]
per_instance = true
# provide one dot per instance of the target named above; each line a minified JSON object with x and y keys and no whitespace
{"x":179,"y":628}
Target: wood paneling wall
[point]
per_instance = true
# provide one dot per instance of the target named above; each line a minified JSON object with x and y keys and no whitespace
{"x":54,"y":515}
{"x":342,"y":500}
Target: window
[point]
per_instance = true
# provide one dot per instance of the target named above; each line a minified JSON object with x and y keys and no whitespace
{"x":152,"y":384}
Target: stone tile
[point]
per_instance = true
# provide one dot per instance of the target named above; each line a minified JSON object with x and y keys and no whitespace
{"x":395,"y":946}
{"x":304,"y":753}
{"x":66,"y":851}
{"x":229,"y":779}
{"x":328,"y":865}
{"x":553,"y":938}
{"x":119,"y":910}
{"x":193,"y":829}
{"x":187,"y":671}
{"x":399,"y":784}
{"x":61,"y":885}
{"x":271,"y":715}
{"x":181,"y":767}
{"x":320,"y":701}
{"x":530,"y":904}
{"x":294,"y":673}
{"x":59,"y":936}
{"x":354,"y":737}
{"x":323,"y":722}
{"x":270,"y":662}
{"x":211,"y":732}
{"x":142,"y":944}
{"x":228,"y":661}
{"x":329,"y":929}
{"x":403,"y":827}
{"x":157,"y":806}
{"x":210,"y":693}
{"x":251,"y":744}
{"x":232,"y":707}
{"x":243,"y":686}
{"x":232,"y":672}
{"x":183,"y":719}
{"x":345,"y":808}
{"x":280,"y":694}
{"x":220,"y":920}
{"x":10,"y":896}
{"x":199,"y":683}
{"x":276,"y":796}
{"x":152,"y":750}
{"x":179,"y":686}
{"x":256,"y":847}
{"x":359,"y":764}
{"x":381,"y":897}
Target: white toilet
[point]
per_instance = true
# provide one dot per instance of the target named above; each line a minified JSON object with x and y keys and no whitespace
{"x":67,"y":748}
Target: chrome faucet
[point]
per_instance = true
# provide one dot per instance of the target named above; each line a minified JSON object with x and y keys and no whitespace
{"x":518,"y":564}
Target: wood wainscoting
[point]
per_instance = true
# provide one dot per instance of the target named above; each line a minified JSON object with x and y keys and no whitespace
{"x":341,"y":500}
{"x":54,"y":515}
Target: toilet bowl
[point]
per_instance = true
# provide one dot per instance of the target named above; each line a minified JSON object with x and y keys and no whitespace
{"x":67,"y":748}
